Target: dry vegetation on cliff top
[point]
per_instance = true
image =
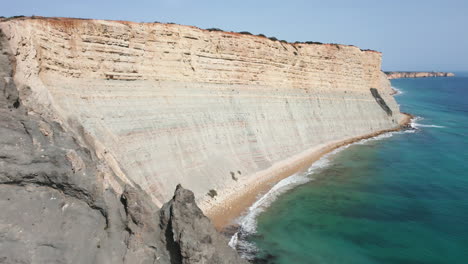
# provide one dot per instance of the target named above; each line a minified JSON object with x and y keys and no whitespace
{"x":70,"y":23}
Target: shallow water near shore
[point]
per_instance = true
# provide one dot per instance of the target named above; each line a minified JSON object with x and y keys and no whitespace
{"x":400,"y":199}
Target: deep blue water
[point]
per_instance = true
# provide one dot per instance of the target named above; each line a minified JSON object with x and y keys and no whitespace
{"x":398,"y":200}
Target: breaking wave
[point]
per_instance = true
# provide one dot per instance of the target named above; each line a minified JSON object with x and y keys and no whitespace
{"x":248,"y":224}
{"x":397,"y":91}
{"x":416,"y":125}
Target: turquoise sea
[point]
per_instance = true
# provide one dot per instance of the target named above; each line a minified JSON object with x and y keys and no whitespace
{"x":399,"y":199}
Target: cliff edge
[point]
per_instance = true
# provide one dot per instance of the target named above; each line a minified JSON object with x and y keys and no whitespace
{"x":102,"y":120}
{"x":57,"y":207}
{"x":165,"y":104}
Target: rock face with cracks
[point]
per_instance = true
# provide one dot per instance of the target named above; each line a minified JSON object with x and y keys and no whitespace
{"x":189,"y":235}
{"x":162,"y":104}
{"x":56,"y":207}
{"x":101,"y":120}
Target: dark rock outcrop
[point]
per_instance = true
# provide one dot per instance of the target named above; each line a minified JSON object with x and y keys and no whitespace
{"x":381,"y":101}
{"x":57,"y":208}
{"x":190,"y":236}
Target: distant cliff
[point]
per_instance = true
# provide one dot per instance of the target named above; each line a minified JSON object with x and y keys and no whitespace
{"x":398,"y":75}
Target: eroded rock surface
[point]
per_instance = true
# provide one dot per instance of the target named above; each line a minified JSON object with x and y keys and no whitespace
{"x":190,"y":233}
{"x":56,"y":206}
{"x":101,"y":120}
{"x":164,"y":104}
{"x":52,"y":213}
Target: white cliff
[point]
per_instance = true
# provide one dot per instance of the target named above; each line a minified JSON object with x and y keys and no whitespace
{"x":164,"y":104}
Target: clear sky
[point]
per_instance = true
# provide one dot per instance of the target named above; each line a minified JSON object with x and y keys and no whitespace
{"x":414,"y":35}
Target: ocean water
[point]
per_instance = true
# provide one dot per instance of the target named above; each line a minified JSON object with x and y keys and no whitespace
{"x":399,"y":199}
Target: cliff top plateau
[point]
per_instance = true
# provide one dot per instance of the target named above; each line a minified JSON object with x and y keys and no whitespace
{"x":72,"y":20}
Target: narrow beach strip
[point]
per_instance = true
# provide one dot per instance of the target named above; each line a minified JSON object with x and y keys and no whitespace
{"x":232,"y":203}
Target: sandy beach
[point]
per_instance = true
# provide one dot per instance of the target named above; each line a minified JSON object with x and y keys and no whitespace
{"x":232,"y":203}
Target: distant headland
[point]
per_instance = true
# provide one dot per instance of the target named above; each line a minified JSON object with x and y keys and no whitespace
{"x":398,"y":75}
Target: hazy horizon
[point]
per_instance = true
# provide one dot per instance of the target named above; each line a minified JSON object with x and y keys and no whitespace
{"x":413,"y":36}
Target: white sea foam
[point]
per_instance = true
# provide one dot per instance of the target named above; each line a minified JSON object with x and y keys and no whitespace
{"x":421,"y":125}
{"x":416,"y":125}
{"x":384,"y":136}
{"x":247,"y":223}
{"x":397,"y":91}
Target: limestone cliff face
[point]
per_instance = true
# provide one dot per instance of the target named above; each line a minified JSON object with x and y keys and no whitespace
{"x":163,"y":104}
{"x":398,"y":75}
{"x":57,"y":206}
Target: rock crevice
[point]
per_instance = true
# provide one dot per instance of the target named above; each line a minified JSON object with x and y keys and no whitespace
{"x":162,"y":104}
{"x":57,"y":208}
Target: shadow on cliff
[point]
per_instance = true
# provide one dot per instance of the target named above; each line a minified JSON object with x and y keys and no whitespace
{"x":57,"y":206}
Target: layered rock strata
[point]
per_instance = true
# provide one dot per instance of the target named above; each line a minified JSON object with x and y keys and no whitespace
{"x":101,"y":120}
{"x":399,"y":75}
{"x":163,"y":104}
{"x":57,"y":207}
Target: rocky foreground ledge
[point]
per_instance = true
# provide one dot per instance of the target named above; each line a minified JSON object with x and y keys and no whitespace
{"x":56,"y":207}
{"x":399,"y":75}
{"x":100,"y":120}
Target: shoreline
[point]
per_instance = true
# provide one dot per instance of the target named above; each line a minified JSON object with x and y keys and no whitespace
{"x":233,"y":204}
